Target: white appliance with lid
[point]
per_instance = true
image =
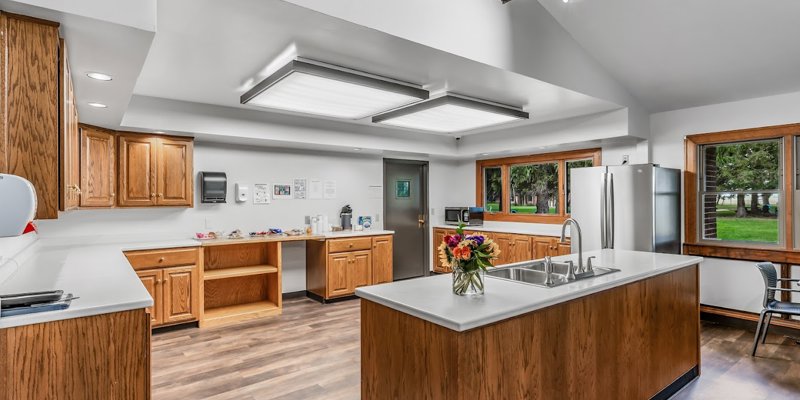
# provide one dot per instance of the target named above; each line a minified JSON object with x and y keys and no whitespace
{"x":18,"y":199}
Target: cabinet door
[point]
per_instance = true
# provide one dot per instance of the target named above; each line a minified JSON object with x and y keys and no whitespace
{"x":564,"y":249}
{"x":504,"y":242}
{"x":98,"y":172}
{"x":29,"y":113}
{"x":137,"y":170}
{"x":541,"y":247}
{"x":382,"y":254}
{"x":360,"y":272}
{"x":69,"y":188}
{"x":151,"y":279}
{"x":438,"y":238}
{"x":338,"y":265}
{"x":180,"y":294}
{"x":520,"y":248}
{"x":174,"y":172}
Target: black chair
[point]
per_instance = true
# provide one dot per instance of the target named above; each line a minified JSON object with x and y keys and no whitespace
{"x":771,"y":305}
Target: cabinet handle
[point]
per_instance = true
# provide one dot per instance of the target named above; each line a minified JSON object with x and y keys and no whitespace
{"x":161,"y":195}
{"x":158,"y":281}
{"x":153,"y":195}
{"x":161,"y":259}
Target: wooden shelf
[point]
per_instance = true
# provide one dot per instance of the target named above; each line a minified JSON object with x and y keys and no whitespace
{"x":233,"y":272}
{"x":239,"y":312}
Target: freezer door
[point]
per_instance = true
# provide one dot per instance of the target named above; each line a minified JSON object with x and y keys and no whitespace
{"x":667,"y":213}
{"x":586,"y":188}
{"x":631,"y":207}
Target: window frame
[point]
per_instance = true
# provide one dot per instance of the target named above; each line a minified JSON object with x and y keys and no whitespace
{"x":693,"y":239}
{"x":595,"y":154}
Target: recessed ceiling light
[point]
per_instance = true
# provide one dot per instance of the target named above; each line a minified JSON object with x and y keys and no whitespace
{"x":99,"y":76}
{"x":484,"y":154}
{"x":97,"y":105}
{"x":158,"y":132}
{"x":565,"y":1}
{"x":357,"y":148}
{"x":450,"y":113}
{"x":313,"y":88}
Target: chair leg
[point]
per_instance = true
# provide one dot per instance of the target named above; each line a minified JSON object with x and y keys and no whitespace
{"x":766,"y":328}
{"x":758,"y":332}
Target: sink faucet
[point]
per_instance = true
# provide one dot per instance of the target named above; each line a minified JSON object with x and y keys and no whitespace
{"x":580,"y":240}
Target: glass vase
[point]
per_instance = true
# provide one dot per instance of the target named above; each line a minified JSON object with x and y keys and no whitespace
{"x":467,"y":283}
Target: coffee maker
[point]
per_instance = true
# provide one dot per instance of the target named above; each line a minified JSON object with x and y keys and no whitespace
{"x":347,"y":217}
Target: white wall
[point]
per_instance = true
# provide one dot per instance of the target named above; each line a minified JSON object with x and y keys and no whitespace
{"x":723,"y":283}
{"x":353,"y":173}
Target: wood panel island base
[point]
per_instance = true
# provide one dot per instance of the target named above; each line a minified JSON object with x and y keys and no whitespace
{"x":637,"y":340}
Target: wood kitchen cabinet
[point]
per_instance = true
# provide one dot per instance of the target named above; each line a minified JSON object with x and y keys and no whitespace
{"x":549,"y":246}
{"x":70,"y":141}
{"x":172,"y":278}
{"x":336,"y":267}
{"x":155,"y":171}
{"x":98,"y":167}
{"x":29,"y":100}
{"x":513,"y":248}
{"x":382,"y":259}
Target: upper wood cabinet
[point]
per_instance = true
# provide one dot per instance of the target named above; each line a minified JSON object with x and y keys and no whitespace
{"x":29,"y":100}
{"x":174,"y":177}
{"x":137,"y":170}
{"x":155,"y":171}
{"x":98,"y":167}
{"x":70,"y":142}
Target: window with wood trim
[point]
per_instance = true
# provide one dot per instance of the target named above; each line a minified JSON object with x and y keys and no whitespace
{"x":529,"y":188}
{"x":738,"y":192}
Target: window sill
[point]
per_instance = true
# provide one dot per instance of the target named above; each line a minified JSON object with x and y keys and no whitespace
{"x":775,"y":254}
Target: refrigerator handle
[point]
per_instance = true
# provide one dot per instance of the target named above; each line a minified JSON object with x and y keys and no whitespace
{"x":611,"y":211}
{"x":603,"y":209}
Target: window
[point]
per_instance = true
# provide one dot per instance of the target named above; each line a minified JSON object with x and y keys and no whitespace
{"x":530,"y":188}
{"x":534,"y":188}
{"x":493,"y":182}
{"x":741,"y":186}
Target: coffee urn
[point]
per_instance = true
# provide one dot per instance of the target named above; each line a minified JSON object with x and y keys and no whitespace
{"x":347,"y":217}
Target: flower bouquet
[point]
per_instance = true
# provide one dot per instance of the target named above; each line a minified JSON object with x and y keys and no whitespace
{"x":469,"y":256}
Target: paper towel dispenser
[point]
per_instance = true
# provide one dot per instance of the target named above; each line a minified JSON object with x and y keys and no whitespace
{"x":213,"y":186}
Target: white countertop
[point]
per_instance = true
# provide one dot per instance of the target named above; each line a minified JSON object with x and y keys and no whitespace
{"x":431,"y":298}
{"x":516,"y":228}
{"x":97,"y":273}
{"x":366,"y":232}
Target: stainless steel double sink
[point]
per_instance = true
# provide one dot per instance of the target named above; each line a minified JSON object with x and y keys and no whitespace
{"x":533,"y":273}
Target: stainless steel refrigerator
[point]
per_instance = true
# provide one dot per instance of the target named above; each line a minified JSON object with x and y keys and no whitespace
{"x":627,"y":207}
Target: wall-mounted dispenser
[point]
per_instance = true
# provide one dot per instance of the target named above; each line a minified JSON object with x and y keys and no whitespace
{"x":241,"y":193}
{"x":213,"y":187}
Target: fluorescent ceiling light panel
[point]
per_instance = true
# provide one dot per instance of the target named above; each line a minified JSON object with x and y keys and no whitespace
{"x":315,"y":89}
{"x":449,"y":114}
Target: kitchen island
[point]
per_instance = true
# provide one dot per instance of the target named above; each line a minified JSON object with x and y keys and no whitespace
{"x":633,"y":334}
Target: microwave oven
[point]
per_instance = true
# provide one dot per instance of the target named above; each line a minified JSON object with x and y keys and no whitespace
{"x":470,"y":216}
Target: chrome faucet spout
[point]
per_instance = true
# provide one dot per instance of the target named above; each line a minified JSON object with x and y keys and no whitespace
{"x":577,"y":227}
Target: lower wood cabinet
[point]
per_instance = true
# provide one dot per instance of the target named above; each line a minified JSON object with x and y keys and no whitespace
{"x":172,"y":278}
{"x":513,"y":247}
{"x":336,"y":267}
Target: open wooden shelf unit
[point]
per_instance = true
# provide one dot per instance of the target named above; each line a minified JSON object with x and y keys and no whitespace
{"x":241,"y":281}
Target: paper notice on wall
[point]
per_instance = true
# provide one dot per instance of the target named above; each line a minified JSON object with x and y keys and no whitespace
{"x":375,"y":192}
{"x":300,"y":188}
{"x":314,"y":189}
{"x":261,"y":193}
{"x":282,"y":191}
{"x":329,"y":189}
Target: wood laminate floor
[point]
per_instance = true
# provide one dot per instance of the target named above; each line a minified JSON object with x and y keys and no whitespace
{"x":312,"y":352}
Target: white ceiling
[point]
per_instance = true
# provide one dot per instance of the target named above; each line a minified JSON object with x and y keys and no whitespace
{"x":210,"y":52}
{"x":685,"y":53}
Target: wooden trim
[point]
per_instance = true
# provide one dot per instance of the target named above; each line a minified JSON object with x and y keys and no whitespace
{"x":31,"y":19}
{"x":748,"y":316}
{"x":560,"y":158}
{"x":740,"y":251}
{"x":743,"y":135}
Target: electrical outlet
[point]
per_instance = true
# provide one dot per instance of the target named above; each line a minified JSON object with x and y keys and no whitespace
{"x":377,"y":217}
{"x":433,"y":211}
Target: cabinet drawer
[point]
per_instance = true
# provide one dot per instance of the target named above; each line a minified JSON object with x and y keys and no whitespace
{"x":162,"y":258}
{"x":349,"y":244}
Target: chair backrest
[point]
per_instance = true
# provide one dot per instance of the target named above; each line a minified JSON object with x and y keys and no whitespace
{"x":770,"y":276}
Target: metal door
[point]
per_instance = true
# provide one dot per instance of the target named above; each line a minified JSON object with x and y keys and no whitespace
{"x":405,"y":205}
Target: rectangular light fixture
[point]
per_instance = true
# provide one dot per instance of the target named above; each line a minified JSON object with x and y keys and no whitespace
{"x":313,"y":88}
{"x":450,"y":113}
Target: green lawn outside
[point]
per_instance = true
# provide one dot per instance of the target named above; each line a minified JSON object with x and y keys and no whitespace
{"x":494,"y":207}
{"x":748,"y":229}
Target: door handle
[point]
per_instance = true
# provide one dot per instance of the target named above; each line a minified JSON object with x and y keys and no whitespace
{"x":421,"y":221}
